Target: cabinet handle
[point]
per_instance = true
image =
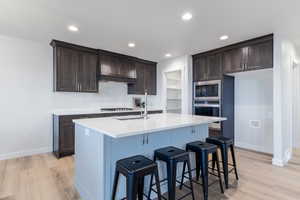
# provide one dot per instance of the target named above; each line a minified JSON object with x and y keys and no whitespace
{"x":193,"y":130}
{"x":143,"y":139}
{"x":147,"y":139}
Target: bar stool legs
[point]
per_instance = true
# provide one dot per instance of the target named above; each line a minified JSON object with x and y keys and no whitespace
{"x":131,"y":187}
{"x":204,"y":173}
{"x":135,"y":169}
{"x":156,"y":184}
{"x":141,"y":188}
{"x":117,"y":174}
{"x":224,"y":152}
{"x":197,"y":165}
{"x":202,"y":150}
{"x":202,"y":159}
{"x":188,"y":163}
{"x":225,"y":144}
{"x":219,"y":171}
{"x":172,"y":156}
{"x":171,"y":174}
{"x":234,"y":162}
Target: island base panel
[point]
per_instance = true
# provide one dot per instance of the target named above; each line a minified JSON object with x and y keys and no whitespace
{"x":96,"y":155}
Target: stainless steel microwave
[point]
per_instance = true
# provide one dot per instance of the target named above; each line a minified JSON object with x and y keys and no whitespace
{"x":207,"y":90}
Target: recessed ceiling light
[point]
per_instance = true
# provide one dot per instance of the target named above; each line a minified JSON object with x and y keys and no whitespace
{"x":224,"y":37}
{"x":186,"y":16}
{"x":131,"y":44}
{"x":73,"y":28}
{"x":168,"y":55}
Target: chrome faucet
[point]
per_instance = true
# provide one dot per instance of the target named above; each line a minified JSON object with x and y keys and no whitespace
{"x":146,"y":106}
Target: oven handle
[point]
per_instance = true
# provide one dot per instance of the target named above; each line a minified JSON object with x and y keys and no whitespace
{"x":207,"y":105}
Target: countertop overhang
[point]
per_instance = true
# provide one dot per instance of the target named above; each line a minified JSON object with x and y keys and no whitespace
{"x":116,"y":128}
{"x":98,"y":111}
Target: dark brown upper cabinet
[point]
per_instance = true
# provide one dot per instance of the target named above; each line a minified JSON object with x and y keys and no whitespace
{"x":214,"y":66}
{"x":200,"y":68}
{"x":87,"y":73}
{"x":139,"y":86}
{"x":65,"y":69}
{"x":116,"y":67}
{"x":252,"y":54}
{"x":146,"y":79}
{"x":207,"y":67}
{"x":150,"y":79}
{"x":234,"y":60}
{"x":75,"y":68}
{"x":260,"y":55}
{"x":78,"y":69}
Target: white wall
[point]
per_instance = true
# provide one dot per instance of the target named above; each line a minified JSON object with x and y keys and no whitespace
{"x":183,"y":63}
{"x":27,"y":100}
{"x":254,"y":102}
{"x":284,"y":57}
{"x":296,"y":105}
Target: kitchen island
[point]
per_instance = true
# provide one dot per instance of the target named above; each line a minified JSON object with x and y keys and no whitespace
{"x":100,"y":142}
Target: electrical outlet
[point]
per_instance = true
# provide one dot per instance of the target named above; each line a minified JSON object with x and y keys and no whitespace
{"x":87,"y":132}
{"x":255,"y":123}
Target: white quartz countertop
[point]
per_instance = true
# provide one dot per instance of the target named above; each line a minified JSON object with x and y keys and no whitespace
{"x":116,"y":128}
{"x":97,"y":111}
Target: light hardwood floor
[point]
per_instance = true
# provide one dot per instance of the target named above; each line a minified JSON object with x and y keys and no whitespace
{"x":43,"y":177}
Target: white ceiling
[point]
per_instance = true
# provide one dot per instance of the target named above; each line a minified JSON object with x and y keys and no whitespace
{"x":154,"y":25}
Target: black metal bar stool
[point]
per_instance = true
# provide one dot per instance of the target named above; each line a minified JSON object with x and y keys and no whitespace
{"x":202,"y":151}
{"x":135,"y":169}
{"x":172,"y":156}
{"x":224,"y":144}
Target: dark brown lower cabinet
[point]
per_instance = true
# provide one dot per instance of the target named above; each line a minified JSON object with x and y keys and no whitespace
{"x":214,"y":132}
{"x":64,"y":130}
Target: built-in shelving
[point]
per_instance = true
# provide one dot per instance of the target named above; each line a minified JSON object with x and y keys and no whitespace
{"x":173,"y":92}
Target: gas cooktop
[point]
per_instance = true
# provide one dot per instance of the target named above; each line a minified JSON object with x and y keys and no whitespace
{"x":116,"y":109}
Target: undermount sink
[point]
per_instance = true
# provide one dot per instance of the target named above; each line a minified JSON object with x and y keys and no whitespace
{"x":130,"y":118}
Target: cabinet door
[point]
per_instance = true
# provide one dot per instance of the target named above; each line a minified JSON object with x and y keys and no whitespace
{"x":200,"y":68}
{"x":234,"y":60}
{"x":67,"y":138}
{"x":139,"y":86}
{"x":127,"y":69}
{"x":214,"y":66}
{"x":214,"y":132}
{"x":150,"y":79}
{"x":109,"y":65}
{"x":260,"y":55}
{"x":87,"y":73}
{"x":66,"y":69}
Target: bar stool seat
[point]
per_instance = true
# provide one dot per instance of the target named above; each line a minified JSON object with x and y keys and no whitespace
{"x":169,"y":153}
{"x":135,"y":169}
{"x":200,"y":146}
{"x":224,"y":144}
{"x":135,"y":164}
{"x":172,"y":155}
{"x":219,"y":140}
{"x":202,"y":150}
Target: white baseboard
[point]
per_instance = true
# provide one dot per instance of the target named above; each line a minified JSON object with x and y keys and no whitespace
{"x":278,"y":162}
{"x":285,"y":160}
{"x":25,"y":153}
{"x":287,"y":156}
{"x":251,"y":147}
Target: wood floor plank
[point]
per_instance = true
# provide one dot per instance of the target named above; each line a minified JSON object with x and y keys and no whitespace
{"x":43,"y":177}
